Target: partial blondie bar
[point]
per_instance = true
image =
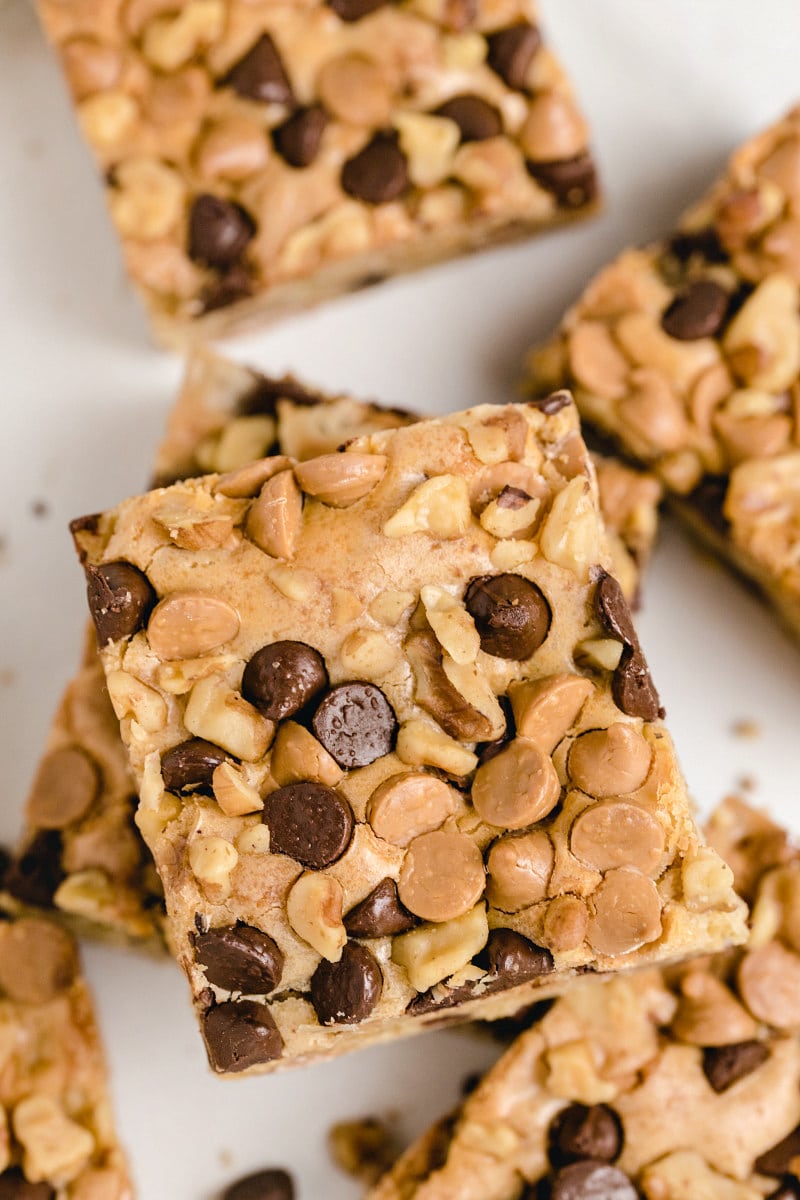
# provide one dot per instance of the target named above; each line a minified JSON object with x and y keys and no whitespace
{"x":263,"y":156}
{"x":57,"y":1139}
{"x":389,"y":718}
{"x":676,"y":1086}
{"x":687,"y":355}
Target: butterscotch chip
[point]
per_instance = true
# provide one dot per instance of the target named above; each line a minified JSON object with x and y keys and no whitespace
{"x":405,"y":806}
{"x":616,"y":835}
{"x":769,"y":980}
{"x":37,"y":961}
{"x":566,"y":921}
{"x":610,"y":762}
{"x":65,"y":787}
{"x":516,"y":787}
{"x":519,"y":870}
{"x":545,"y":711}
{"x":442,"y":876}
{"x":626,"y":912}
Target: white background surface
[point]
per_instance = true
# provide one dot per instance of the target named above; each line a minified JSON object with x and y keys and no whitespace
{"x":670,"y":89}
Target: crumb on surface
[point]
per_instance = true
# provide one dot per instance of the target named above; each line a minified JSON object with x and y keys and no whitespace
{"x":365,"y":1148}
{"x":746,"y":727}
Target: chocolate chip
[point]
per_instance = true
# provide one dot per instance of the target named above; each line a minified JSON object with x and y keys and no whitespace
{"x":262,"y":398}
{"x":513,"y":498}
{"x":552,"y":404}
{"x":240,"y":958}
{"x":511,"y":615}
{"x":511,"y":52}
{"x":35,"y":876}
{"x":512,"y":959}
{"x":14,"y":1186}
{"x":788,"y":1190}
{"x":272,"y":1184}
{"x":233,"y":285}
{"x":703,"y":243}
{"x":298,"y":140}
{"x":708,"y":498}
{"x":310,"y":822}
{"x":613,"y":611}
{"x":697,"y":312}
{"x":354,"y":10}
{"x":592,"y":1181}
{"x":379,"y":914}
{"x":378,"y":173}
{"x":582,"y":1131}
{"x":474,"y":116}
{"x":190,"y":766}
{"x":282,"y":677}
{"x":356,"y":724}
{"x":778,"y":1160}
{"x":260,"y":74}
{"x":724,"y":1065}
{"x":219,"y":231}
{"x":435,"y":1000}
{"x":573,"y":181}
{"x":120,"y":598}
{"x":632,"y":685}
{"x":240,"y":1034}
{"x":345,"y":992}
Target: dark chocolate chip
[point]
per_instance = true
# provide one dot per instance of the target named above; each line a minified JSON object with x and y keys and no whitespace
{"x":613,"y":611}
{"x":573,"y":181}
{"x":513,"y":498}
{"x":474,"y":116}
{"x":310,"y":822}
{"x":788,"y":1190}
{"x":510,"y":613}
{"x":235,"y":284}
{"x":354,"y":10}
{"x":437,"y":1000}
{"x":592,"y":1181}
{"x":272,"y":1184}
{"x":282,"y":677}
{"x":190,"y":766}
{"x":356,"y":724}
{"x":219,"y":231}
{"x":240,"y":1034}
{"x":724,"y":1065}
{"x":260,"y":74}
{"x":298,"y":140}
{"x":552,"y":404}
{"x":378,"y":173}
{"x":703,"y":243}
{"x":379,"y":914}
{"x":778,"y":1160}
{"x":345,"y":992}
{"x":240,"y":958}
{"x":582,"y":1131}
{"x":120,"y":598}
{"x":36,"y":875}
{"x":697,"y":312}
{"x":708,"y":498}
{"x":512,"y":959}
{"x":262,"y":398}
{"x":14,"y":1186}
{"x":632,"y":686}
{"x":511,"y":52}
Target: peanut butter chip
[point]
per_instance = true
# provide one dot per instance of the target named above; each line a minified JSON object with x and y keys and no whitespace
{"x":519,"y":870}
{"x":65,"y":787}
{"x":627,"y":913}
{"x":769,"y":983}
{"x":516,"y":787}
{"x":442,"y":876}
{"x":617,"y":835}
{"x":188,"y":625}
{"x":37,"y":960}
{"x":405,"y":806}
{"x":610,"y":762}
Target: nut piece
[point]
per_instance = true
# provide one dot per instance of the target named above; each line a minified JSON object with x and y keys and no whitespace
{"x":596,"y":362}
{"x":132,"y":698}
{"x":627,"y":913}
{"x":276,"y":517}
{"x":314,"y":909}
{"x":546,"y":710}
{"x":170,"y":41}
{"x":762,"y":342}
{"x":570,"y":536}
{"x":769,"y":982}
{"x":356,"y":90}
{"x":188,"y":625}
{"x":233,"y":793}
{"x":54,"y":1146}
{"x":405,"y":806}
{"x":572,"y":1074}
{"x":565,"y":923}
{"x":179,"y":677}
{"x":368,"y":654}
{"x":422,"y":745}
{"x":433,"y":952}
{"x":454,"y":627}
{"x":685,"y":1175}
{"x":220,"y":715}
{"x":617,"y":834}
{"x":708,"y":1013}
{"x":516,"y":787}
{"x":147,"y":198}
{"x":706,"y":881}
{"x":341,"y":479}
{"x":298,"y":755}
{"x":519,"y":870}
{"x":191,"y":528}
{"x":610,"y":762}
{"x":212,"y":859}
{"x":429,"y":144}
{"x":444,"y":700}
{"x":442,"y":876}
{"x":439,"y":506}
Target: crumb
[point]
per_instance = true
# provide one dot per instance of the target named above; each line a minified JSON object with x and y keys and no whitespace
{"x":226,"y":1158}
{"x":746,"y":727}
{"x":40,"y":508}
{"x":365,"y":1149}
{"x":746,"y":783}
{"x":7,"y":676}
{"x":3,"y":548}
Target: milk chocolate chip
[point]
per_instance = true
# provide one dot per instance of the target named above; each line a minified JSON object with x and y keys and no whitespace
{"x":298,"y":140}
{"x":573,"y":181}
{"x":697,"y":312}
{"x":35,"y":876}
{"x":260,"y":74}
{"x":474,"y":116}
{"x":240,"y":958}
{"x":378,"y":173}
{"x":120,"y":598}
{"x":592,"y":1181}
{"x":219,"y":231}
{"x":778,"y":1160}
{"x":379,"y":914}
{"x":14,"y":1186}
{"x":281,"y":678}
{"x":510,"y":613}
{"x":585,"y":1131}
{"x":345,"y":992}
{"x":190,"y":766}
{"x":310,"y":822}
{"x":272,"y":1184}
{"x":724,"y":1065}
{"x":240,"y":1034}
{"x":512,"y":959}
{"x":511,"y":52}
{"x":356,"y":724}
